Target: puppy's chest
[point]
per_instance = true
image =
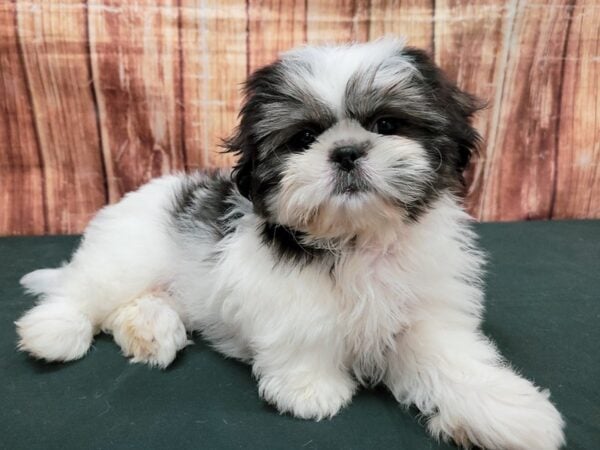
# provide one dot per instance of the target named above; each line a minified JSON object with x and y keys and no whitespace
{"x":375,"y":299}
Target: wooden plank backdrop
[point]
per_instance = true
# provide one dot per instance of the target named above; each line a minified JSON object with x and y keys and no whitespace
{"x":99,"y":96}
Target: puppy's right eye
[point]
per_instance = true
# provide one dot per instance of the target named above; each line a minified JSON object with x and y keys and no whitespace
{"x":302,"y":140}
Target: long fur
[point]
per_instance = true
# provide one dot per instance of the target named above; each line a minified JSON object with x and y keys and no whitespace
{"x":321,"y":275}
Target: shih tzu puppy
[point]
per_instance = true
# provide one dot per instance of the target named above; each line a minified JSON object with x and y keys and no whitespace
{"x":337,"y":253}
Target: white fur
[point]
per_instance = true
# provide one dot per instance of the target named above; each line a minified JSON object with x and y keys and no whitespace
{"x":330,"y":67}
{"x":55,"y":331}
{"x":148,"y":330}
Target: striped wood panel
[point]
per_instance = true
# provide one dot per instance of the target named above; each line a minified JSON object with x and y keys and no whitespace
{"x":99,"y":96}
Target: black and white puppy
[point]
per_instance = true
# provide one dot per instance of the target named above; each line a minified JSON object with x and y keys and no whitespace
{"x":336,"y":253}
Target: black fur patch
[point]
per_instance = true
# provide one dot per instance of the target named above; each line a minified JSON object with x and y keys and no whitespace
{"x":211,"y":202}
{"x":288,"y":244}
{"x":206,"y":202}
{"x":457,"y":139}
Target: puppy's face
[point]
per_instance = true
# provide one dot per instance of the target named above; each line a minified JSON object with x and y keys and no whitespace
{"x":337,"y":140}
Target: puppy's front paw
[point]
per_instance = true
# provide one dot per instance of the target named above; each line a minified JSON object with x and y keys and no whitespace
{"x":513,"y":415}
{"x":148,"y":330}
{"x":307,"y":395}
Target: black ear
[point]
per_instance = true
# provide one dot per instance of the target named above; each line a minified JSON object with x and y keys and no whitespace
{"x":244,"y":142}
{"x":243,"y":145}
{"x":458,"y":106}
{"x":462,"y":106}
{"x":243,"y":168}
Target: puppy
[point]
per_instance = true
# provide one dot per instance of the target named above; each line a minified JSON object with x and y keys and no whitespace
{"x":337,"y":253}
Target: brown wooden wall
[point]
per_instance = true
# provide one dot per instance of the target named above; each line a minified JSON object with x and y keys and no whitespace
{"x":98,"y":96}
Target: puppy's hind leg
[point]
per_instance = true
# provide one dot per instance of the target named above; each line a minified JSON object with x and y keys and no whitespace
{"x":127,"y":251}
{"x":55,"y":330}
{"x":148,"y":330}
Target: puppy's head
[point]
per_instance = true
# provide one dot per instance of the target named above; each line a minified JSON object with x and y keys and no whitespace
{"x":337,"y":140}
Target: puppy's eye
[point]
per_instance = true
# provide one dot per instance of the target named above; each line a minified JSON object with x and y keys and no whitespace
{"x":387,"y":126}
{"x":302,"y":140}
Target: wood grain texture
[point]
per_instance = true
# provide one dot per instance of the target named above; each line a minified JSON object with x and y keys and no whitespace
{"x":214,"y":52}
{"x":99,"y":96}
{"x":52,"y":41}
{"x":411,"y":18}
{"x":337,"y":21}
{"x":135,"y":66}
{"x":274,"y":27}
{"x":518,"y":174}
{"x":577,"y":183}
{"x":21,"y":174}
{"x":472,"y":47}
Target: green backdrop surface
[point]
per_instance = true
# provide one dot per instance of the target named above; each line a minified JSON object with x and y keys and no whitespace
{"x":543,"y":310}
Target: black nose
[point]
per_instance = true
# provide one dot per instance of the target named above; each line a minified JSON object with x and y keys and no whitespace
{"x":345,"y":157}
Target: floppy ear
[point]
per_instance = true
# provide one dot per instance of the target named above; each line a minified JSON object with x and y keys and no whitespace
{"x":465,"y":135}
{"x":241,"y":145}
{"x":458,"y":105}
{"x":244,"y":142}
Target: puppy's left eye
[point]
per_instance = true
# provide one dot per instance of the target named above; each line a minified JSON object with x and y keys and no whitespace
{"x":302,"y":140}
{"x":387,"y":126}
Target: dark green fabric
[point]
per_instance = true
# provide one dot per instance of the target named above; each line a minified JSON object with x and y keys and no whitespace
{"x":543,"y":292}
